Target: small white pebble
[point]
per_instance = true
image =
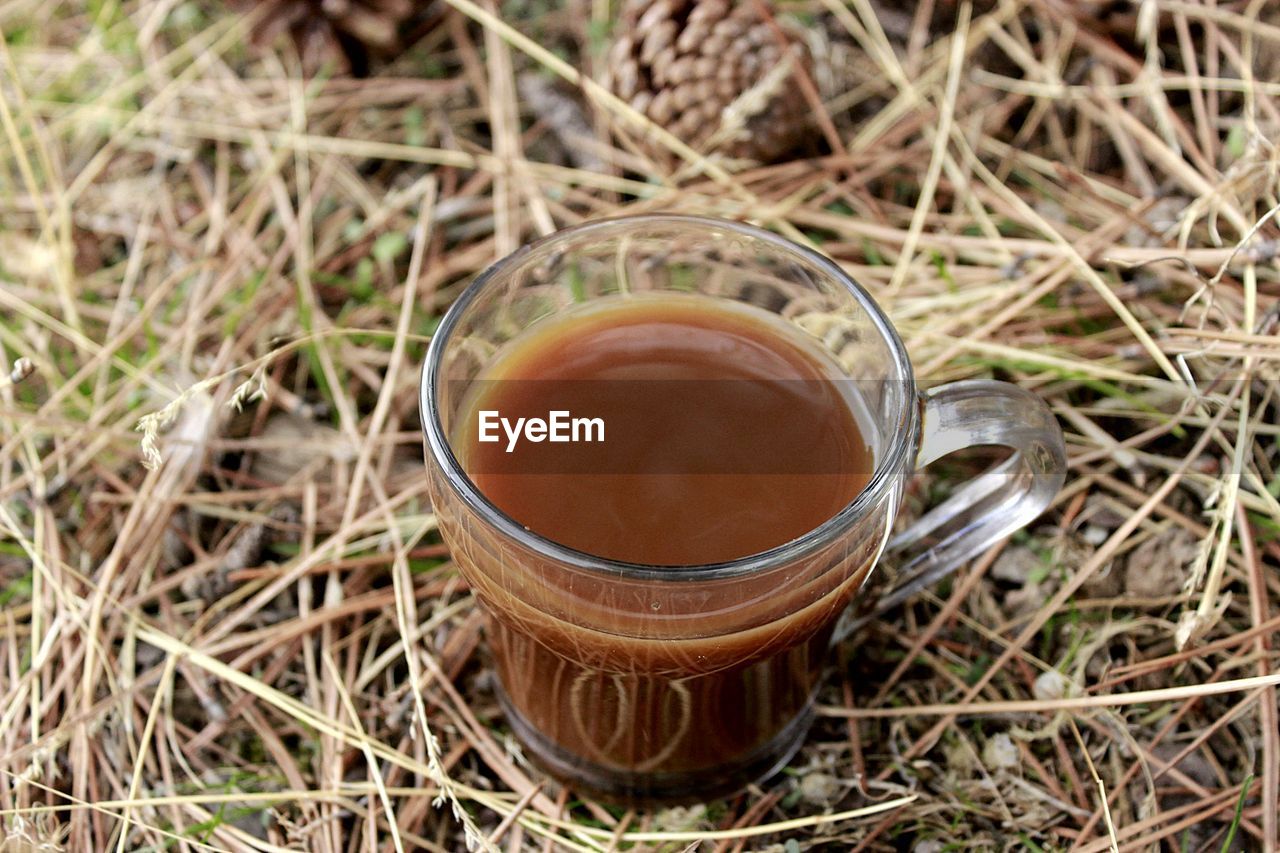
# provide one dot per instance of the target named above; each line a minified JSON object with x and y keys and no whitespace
{"x":1000,"y":753}
{"x":22,"y":368}
{"x":1050,"y":685}
{"x":820,"y":788}
{"x":1015,"y":565}
{"x":1094,"y":535}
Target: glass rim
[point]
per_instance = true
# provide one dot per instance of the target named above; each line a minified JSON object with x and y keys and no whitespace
{"x":896,"y":454}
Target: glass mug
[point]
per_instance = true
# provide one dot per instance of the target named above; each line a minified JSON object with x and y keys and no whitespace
{"x":641,"y":684}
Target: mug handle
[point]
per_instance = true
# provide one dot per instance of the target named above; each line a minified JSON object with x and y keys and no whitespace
{"x":973,"y":413}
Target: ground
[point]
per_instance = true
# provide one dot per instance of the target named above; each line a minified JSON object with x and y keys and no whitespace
{"x":227,"y":621}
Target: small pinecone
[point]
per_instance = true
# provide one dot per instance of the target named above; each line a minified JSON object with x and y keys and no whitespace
{"x":344,"y":31}
{"x":709,"y":71}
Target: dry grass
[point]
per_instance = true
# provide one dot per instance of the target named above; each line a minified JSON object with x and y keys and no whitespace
{"x":259,"y":644}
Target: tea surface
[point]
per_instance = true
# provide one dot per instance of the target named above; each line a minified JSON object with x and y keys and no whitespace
{"x":725,"y":432}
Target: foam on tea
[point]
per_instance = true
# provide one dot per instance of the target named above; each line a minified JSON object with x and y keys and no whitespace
{"x":664,"y":430}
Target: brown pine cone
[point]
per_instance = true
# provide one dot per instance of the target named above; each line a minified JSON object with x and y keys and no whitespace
{"x":344,"y":31}
{"x":711,"y":72}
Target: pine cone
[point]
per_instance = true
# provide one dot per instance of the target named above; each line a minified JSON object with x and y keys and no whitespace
{"x":712,"y":72}
{"x":344,"y":31}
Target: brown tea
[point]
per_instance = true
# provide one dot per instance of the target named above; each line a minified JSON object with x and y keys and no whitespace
{"x":723,"y":432}
{"x":694,"y":433}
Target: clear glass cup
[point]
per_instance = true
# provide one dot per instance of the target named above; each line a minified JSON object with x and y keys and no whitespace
{"x":641,"y":684}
